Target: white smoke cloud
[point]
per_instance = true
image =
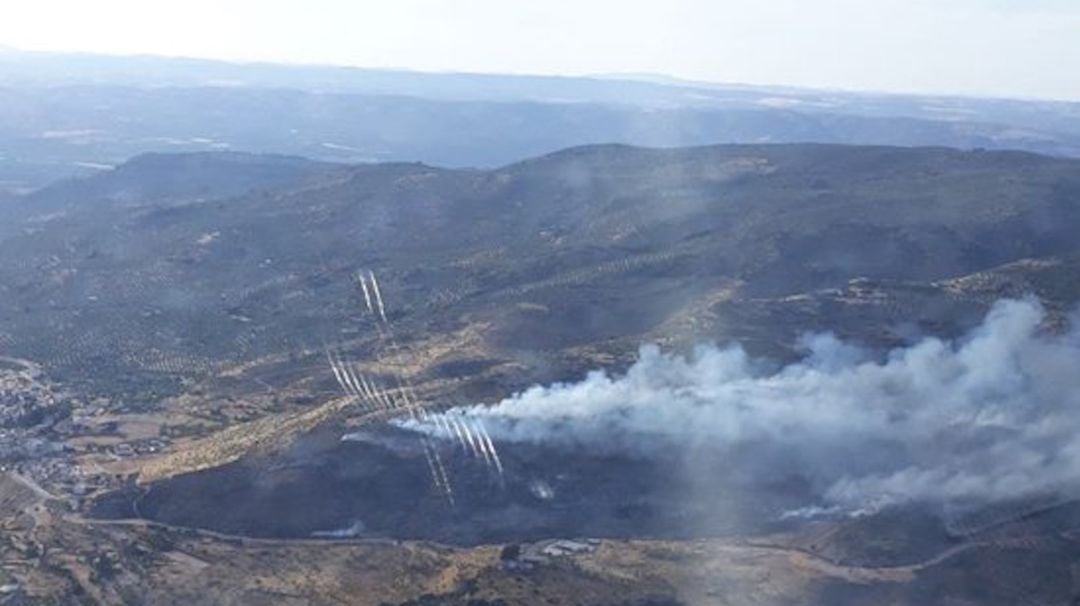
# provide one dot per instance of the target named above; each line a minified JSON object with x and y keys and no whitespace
{"x":994,"y":415}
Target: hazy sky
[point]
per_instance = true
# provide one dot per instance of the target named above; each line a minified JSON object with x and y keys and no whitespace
{"x":1000,"y":47}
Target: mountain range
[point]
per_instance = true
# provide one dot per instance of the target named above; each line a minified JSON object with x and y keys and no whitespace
{"x":72,"y":115}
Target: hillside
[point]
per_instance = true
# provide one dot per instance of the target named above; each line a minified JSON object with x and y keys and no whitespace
{"x":167,"y":327}
{"x":204,"y":282}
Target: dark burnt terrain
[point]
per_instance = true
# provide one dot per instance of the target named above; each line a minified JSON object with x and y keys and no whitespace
{"x":379,"y":485}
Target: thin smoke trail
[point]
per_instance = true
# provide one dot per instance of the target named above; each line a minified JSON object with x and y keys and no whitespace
{"x":490,"y":446}
{"x":367,"y":295}
{"x":457,"y":431}
{"x":483,"y":444}
{"x":402,"y":398}
{"x":472,"y":435}
{"x":350,"y":378}
{"x":336,"y":371}
{"x":378,"y":296}
{"x":480,"y":442}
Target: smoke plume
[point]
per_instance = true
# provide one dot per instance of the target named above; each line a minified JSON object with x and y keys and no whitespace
{"x":991,"y":416}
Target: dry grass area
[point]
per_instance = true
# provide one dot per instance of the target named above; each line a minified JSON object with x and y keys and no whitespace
{"x":723,"y":572}
{"x":387,"y":573}
{"x":141,"y":563}
{"x":230,"y":444}
{"x":15,"y":496}
{"x":704,"y":572}
{"x":361,"y":574}
{"x":134,"y":563}
{"x":273,"y":431}
{"x":429,"y":351}
{"x":697,"y":318}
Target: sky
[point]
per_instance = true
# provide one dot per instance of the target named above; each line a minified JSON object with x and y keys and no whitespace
{"x":1013,"y":48}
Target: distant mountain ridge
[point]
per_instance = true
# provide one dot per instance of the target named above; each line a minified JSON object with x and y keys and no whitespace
{"x":62,"y":115}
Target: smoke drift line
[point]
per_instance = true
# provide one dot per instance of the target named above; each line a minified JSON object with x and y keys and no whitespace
{"x":993,"y":416}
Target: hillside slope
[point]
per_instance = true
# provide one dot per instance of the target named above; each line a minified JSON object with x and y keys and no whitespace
{"x":609,"y":240}
{"x":182,"y":309}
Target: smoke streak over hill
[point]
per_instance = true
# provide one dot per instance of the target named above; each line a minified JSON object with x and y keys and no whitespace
{"x":994,"y":415}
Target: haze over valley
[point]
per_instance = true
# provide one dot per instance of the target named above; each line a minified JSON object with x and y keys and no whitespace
{"x":72,"y":115}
